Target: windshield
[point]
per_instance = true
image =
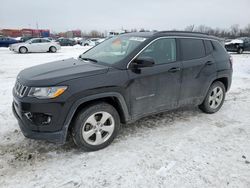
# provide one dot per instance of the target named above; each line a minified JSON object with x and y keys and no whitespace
{"x":113,"y":50}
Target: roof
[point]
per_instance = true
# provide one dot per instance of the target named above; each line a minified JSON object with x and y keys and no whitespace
{"x":185,"y":34}
{"x":172,"y":33}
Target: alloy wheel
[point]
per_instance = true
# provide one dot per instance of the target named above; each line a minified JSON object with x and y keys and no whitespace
{"x":215,"y":98}
{"x":98,"y":128}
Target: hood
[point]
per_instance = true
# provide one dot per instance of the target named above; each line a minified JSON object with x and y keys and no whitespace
{"x":50,"y":74}
{"x":235,"y":41}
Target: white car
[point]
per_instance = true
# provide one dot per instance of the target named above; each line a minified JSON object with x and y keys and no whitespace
{"x":91,"y":42}
{"x":35,"y":45}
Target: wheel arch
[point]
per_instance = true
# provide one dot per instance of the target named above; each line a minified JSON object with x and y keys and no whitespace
{"x":223,"y":80}
{"x":22,"y":47}
{"x":51,"y":47}
{"x":112,"y":98}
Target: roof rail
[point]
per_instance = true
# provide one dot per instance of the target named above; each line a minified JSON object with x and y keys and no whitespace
{"x":191,"y":32}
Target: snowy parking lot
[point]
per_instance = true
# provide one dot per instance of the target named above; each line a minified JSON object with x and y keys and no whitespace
{"x":181,"y":148}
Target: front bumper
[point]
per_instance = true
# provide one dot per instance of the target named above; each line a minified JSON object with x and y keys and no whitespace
{"x":56,"y":137}
{"x":30,"y":130}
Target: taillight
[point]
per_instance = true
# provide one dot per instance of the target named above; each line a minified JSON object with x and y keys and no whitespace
{"x":231,"y":61}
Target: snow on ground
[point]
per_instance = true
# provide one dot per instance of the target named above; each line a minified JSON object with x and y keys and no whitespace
{"x":181,"y":148}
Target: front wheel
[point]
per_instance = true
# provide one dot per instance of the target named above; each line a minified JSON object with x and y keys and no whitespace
{"x":240,"y":50}
{"x":96,"y":126}
{"x":23,"y":50}
{"x":214,"y":98}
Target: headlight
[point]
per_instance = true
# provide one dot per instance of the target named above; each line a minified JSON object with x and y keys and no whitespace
{"x":46,"y":92}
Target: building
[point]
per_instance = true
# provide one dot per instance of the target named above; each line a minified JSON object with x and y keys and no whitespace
{"x":25,"y":32}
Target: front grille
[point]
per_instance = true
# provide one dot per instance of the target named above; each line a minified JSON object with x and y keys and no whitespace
{"x":20,"y":89}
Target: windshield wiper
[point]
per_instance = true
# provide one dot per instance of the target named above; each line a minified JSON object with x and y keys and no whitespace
{"x":89,"y":59}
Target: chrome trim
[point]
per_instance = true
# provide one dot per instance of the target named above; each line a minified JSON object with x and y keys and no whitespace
{"x":20,"y":89}
{"x":172,"y":37}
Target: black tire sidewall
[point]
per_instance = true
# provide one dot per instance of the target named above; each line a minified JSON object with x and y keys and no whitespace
{"x":83,"y":116}
{"x":50,"y":49}
{"x":205,"y":107}
{"x":240,"y":50}
{"x":22,"y":47}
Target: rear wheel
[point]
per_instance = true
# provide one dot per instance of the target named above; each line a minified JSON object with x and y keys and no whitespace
{"x":52,"y":49}
{"x":23,"y":50}
{"x":214,"y":98}
{"x":96,"y":126}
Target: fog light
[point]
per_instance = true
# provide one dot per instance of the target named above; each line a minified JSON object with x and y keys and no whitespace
{"x":47,"y":121}
{"x":38,"y":119}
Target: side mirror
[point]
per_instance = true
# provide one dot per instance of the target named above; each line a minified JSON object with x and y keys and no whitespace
{"x":143,"y":62}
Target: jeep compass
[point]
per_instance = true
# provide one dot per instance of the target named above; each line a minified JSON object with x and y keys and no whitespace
{"x":125,"y":78}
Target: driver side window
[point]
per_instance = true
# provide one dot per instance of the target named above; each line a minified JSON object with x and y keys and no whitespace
{"x":162,"y":51}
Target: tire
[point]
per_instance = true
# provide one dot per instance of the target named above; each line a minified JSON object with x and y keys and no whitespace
{"x":214,"y":98}
{"x":240,"y":50}
{"x":23,"y":50}
{"x":53,"y":49}
{"x":86,"y":44}
{"x":100,"y":134}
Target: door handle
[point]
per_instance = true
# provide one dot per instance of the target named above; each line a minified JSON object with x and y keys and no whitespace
{"x":174,"y":69}
{"x":209,"y":63}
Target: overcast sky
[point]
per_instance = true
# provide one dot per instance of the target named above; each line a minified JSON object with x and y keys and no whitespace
{"x":61,"y":15}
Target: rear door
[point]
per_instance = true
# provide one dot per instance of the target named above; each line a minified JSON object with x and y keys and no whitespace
{"x":198,"y":69}
{"x":45,"y":44}
{"x":156,"y":88}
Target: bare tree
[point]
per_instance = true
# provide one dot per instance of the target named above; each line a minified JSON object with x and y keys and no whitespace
{"x":189,"y":28}
{"x":235,"y":31}
{"x":95,"y":33}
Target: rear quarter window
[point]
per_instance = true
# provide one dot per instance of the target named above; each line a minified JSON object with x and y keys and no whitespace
{"x":192,"y":49}
{"x":208,"y":46}
{"x":219,"y":47}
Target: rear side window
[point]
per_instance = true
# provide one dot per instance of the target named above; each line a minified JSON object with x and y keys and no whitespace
{"x":44,"y":40}
{"x":192,"y":49}
{"x":208,"y":46}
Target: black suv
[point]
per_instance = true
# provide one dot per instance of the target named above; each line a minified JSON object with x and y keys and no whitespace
{"x":121,"y":80}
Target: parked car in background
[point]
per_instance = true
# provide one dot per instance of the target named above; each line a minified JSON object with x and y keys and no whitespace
{"x":66,"y":42}
{"x":7,"y":41}
{"x":100,"y":41}
{"x":36,"y":45}
{"x":81,"y":42}
{"x":25,"y":38}
{"x":49,"y":38}
{"x":119,"y":81}
{"x":77,"y":40}
{"x":91,"y":42}
{"x":238,"y":45}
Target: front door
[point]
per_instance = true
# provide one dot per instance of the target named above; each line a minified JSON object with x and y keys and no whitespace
{"x":156,"y":88}
{"x":35,"y":45}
